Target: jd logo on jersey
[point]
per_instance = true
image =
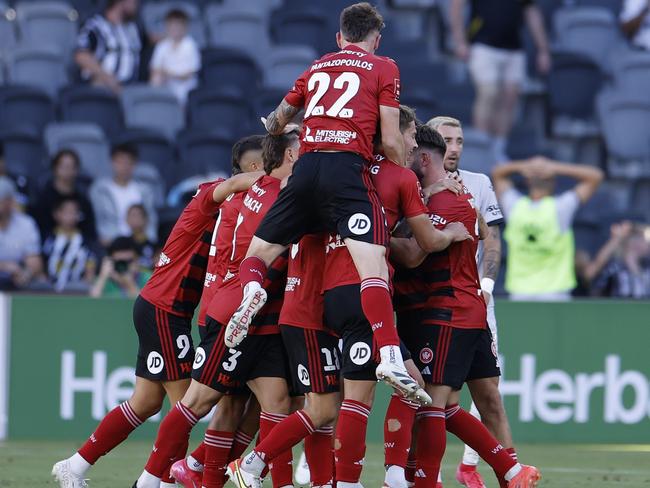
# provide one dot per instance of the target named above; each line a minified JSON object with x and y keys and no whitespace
{"x":359,"y":224}
{"x":155,"y":362}
{"x":360,"y":353}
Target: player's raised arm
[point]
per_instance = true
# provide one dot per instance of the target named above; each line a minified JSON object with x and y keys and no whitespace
{"x":430,"y":239}
{"x":235,"y":184}
{"x":391,"y":137}
{"x":280,"y":117}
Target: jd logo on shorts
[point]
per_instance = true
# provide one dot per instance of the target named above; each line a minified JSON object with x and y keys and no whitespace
{"x":359,"y":224}
{"x":360,"y":353}
{"x":155,"y":362}
{"x":303,"y":375}
{"x":199,"y":358}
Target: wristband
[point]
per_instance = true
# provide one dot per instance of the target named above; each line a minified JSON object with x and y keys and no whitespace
{"x":487,"y":285}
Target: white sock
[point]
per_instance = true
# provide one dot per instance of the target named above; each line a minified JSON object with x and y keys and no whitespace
{"x":395,"y":477}
{"x":391,"y":354}
{"x":345,"y":484}
{"x":512,"y":472}
{"x":147,"y":480}
{"x":78,"y":465}
{"x":439,"y":476}
{"x":167,"y":485}
{"x":193,"y":464}
{"x":254,"y":464}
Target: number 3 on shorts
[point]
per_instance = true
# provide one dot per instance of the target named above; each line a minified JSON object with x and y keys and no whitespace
{"x":231,"y":363}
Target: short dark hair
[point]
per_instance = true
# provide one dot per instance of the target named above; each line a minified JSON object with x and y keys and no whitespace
{"x":122,"y":243}
{"x":59,"y":203}
{"x":66,"y":152}
{"x":248,"y":143}
{"x":360,"y":20}
{"x":177,"y":14}
{"x":273,"y":148}
{"x":406,"y":116}
{"x":428,"y":138}
{"x":139,"y":206}
{"x":125,"y":148}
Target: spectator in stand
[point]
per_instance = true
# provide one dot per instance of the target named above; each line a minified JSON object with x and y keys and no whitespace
{"x":21,"y":182}
{"x":176,"y":58}
{"x":138,"y":220}
{"x":112,"y":197}
{"x":70,"y":259}
{"x":65,"y":184}
{"x":120,"y":274}
{"x":541,"y":250}
{"x":635,"y":22}
{"x":20,"y":242}
{"x":497,"y":62}
{"x":110,"y":44}
{"x":621,"y":268}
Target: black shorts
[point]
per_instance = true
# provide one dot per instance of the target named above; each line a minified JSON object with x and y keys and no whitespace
{"x":314,"y":361}
{"x":445,"y":355}
{"x":228,"y":369}
{"x":486,"y":358}
{"x":330,"y":192}
{"x":165,"y":348}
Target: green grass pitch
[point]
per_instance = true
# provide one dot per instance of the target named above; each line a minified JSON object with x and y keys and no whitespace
{"x":28,"y":464}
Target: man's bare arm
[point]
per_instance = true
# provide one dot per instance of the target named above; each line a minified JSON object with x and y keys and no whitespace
{"x":280,"y":117}
{"x":492,"y":253}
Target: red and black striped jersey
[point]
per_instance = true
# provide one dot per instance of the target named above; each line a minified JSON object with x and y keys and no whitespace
{"x":256,"y":204}
{"x":446,"y":285}
{"x":177,"y":280}
{"x":220,"y":249}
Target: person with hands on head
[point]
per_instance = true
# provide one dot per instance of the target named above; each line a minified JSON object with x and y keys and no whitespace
{"x":541,"y":249}
{"x":635,"y":22}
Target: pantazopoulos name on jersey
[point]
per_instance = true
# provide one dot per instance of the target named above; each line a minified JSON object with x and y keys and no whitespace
{"x":349,"y":63}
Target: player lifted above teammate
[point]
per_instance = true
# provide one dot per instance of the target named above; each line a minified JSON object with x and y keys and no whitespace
{"x":346,"y":95}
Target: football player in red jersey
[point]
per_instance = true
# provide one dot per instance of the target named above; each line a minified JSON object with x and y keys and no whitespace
{"x":314,"y":368}
{"x":442,"y":318}
{"x":346,"y":96}
{"x":162,"y":315}
{"x":258,"y":362}
{"x":246,"y":158}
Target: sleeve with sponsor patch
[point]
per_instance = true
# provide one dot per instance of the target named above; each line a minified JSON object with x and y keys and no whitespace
{"x":179,"y":275}
{"x":296,"y":96}
{"x":411,"y":197}
{"x":489,"y":204}
{"x":390,"y":85}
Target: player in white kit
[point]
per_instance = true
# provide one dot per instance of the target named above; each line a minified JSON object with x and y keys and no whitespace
{"x":485,"y":392}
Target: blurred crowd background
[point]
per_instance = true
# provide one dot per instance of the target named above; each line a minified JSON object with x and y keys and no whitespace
{"x":111,"y":113}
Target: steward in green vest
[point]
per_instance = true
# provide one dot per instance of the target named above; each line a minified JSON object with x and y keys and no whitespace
{"x":541,"y":250}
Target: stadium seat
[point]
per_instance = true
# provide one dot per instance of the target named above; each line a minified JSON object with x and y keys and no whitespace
{"x":614,"y":6}
{"x":478,"y":153}
{"x":212,"y":109}
{"x":153,"y":147}
{"x":625,"y":120}
{"x":7,"y":29}
{"x":265,"y":5}
{"x":306,"y":27}
{"x":632,"y":73}
{"x":24,"y":106}
{"x":422,"y":75}
{"x":245,"y":29}
{"x":573,"y":84}
{"x":84,"y":103}
{"x":88,"y":140}
{"x":591,"y":31}
{"x":149,"y":175}
{"x":284,"y":64}
{"x":424,"y":102}
{"x":641,"y":199}
{"x":229,"y":67}
{"x":23,"y":152}
{"x":47,"y":23}
{"x":153,"y":16}
{"x":456,"y":99}
{"x":153,"y":108}
{"x":264,"y":102}
{"x":203,"y":153}
{"x":43,"y":67}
